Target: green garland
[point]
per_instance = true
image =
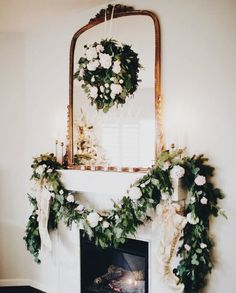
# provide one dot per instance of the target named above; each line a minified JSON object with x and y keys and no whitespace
{"x":108,"y":73}
{"x":113,"y":226}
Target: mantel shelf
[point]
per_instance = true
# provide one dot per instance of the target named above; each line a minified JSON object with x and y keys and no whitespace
{"x":98,"y":181}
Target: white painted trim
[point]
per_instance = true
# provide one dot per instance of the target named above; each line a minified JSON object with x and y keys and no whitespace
{"x":14,"y":282}
{"x":24,"y":282}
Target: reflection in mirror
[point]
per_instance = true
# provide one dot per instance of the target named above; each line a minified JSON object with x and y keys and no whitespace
{"x":125,"y":136}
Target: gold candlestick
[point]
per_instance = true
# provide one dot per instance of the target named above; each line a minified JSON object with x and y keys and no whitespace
{"x":56,"y":149}
{"x":62,"y":151}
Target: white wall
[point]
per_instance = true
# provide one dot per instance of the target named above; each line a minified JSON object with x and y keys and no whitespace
{"x":198,"y":86}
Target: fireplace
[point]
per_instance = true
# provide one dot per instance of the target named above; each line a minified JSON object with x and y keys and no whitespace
{"x":112,"y":270}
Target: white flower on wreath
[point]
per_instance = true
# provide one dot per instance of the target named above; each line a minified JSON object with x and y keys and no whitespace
{"x":116,"y":67}
{"x":105,"y":60}
{"x":99,"y":48}
{"x":93,"y":219}
{"x":79,"y":208}
{"x":203,"y":200}
{"x":102,"y":89}
{"x":200,"y":180}
{"x":135,"y":193}
{"x":177,"y":172}
{"x":93,"y":90}
{"x":116,"y":88}
{"x":40,"y":169}
{"x":93,"y":65}
{"x":105,"y":224}
{"x":81,"y":72}
{"x":70,"y":198}
{"x":203,"y":245}
{"x":49,"y":170}
{"x":61,"y":192}
{"x":192,"y":219}
{"x":187,"y":247}
{"x":166,"y":166}
{"x":91,"y":53}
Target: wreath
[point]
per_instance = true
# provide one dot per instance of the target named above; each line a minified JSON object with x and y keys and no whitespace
{"x":108,"y":73}
{"x":113,"y":226}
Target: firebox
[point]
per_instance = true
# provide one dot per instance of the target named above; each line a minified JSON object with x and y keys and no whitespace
{"x":111,"y":270}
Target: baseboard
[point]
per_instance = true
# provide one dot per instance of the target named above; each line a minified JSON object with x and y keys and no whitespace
{"x":14,"y":282}
{"x":24,"y":282}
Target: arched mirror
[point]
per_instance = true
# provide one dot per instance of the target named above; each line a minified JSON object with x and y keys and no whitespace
{"x":124,"y":137}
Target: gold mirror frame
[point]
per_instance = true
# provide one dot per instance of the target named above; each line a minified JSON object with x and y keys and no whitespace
{"x":119,"y":11}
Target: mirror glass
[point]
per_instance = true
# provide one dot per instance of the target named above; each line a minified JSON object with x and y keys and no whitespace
{"x":125,"y":135}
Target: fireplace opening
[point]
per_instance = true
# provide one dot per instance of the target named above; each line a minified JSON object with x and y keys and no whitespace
{"x":111,"y":270}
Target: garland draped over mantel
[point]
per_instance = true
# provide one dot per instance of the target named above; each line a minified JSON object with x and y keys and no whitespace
{"x":112,"y":227}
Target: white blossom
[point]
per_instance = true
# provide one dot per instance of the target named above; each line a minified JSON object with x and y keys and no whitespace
{"x":105,"y":224}
{"x":91,"y":53}
{"x":192,"y":218}
{"x":40,"y":169}
{"x":102,"y":89}
{"x":187,"y":247}
{"x":143,"y":185}
{"x":93,"y":79}
{"x":121,"y":81}
{"x":81,"y":72}
{"x":79,"y":208}
{"x":93,"y":90}
{"x":177,"y":172}
{"x":105,"y":60}
{"x":165,"y":196}
{"x":200,"y":180}
{"x":99,"y":48}
{"x":107,"y":85}
{"x":116,"y":88}
{"x":192,"y":199}
{"x":70,"y":198}
{"x":203,"y":245}
{"x":135,"y":193}
{"x":49,"y":170}
{"x":166,"y":166}
{"x":93,"y":65}
{"x":61,"y":192}
{"x":93,"y":219}
{"x":116,"y":67}
{"x":203,"y":200}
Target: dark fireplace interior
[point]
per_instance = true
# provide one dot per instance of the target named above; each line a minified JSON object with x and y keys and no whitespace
{"x":112,"y":270}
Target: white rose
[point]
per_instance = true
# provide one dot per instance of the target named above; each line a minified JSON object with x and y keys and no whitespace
{"x":40,"y":169}
{"x":79,"y":208}
{"x":177,"y":172}
{"x":203,"y":200}
{"x":166,"y":166}
{"x":200,"y":180}
{"x":135,"y":193}
{"x":93,"y":91}
{"x":116,"y":88}
{"x":165,"y":196}
{"x":105,"y":60}
{"x":93,"y":65}
{"x":192,"y":219}
{"x":93,"y":219}
{"x":70,"y":198}
{"x":192,"y":199}
{"x":81,"y":72}
{"x":99,"y":48}
{"x":203,"y":245}
{"x":187,"y":247}
{"x":91,"y":53}
{"x":105,"y":224}
{"x":116,"y":67}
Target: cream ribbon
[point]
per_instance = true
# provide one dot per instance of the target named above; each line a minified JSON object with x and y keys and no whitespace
{"x":43,"y":197}
{"x":169,"y":226}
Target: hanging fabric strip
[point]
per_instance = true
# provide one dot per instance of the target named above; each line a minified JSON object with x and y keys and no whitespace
{"x":43,"y":197}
